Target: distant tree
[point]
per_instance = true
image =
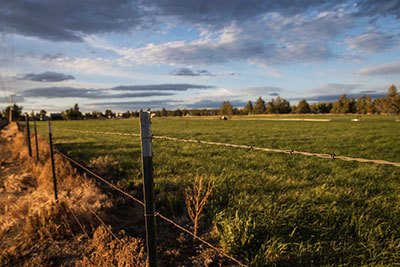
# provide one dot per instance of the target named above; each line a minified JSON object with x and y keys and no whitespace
{"x":278,"y":106}
{"x":164,"y":112}
{"x":126,"y":115}
{"x":248,"y":109}
{"x":364,"y":105}
{"x":72,"y":113}
{"x":42,"y":114}
{"x":342,"y":106}
{"x":109,"y":114}
{"x":178,"y":112}
{"x":259,"y":106}
{"x":16,"y":112}
{"x":226,"y":108}
{"x":303,"y":107}
{"x":88,"y":115}
{"x":392,"y":101}
{"x":379,"y":105}
{"x":321,"y":107}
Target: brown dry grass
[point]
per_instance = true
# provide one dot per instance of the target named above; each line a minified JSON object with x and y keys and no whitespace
{"x":196,"y":198}
{"x":31,"y":215}
{"x":104,"y":250}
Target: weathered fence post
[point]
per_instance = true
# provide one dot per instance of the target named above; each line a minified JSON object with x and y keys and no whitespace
{"x":36,"y":140}
{"x":148,"y":188}
{"x":28,"y":135}
{"x":52,"y":162}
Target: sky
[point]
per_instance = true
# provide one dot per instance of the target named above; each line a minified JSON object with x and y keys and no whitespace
{"x":133,"y":54}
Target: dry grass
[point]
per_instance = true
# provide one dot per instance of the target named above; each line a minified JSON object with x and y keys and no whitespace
{"x":104,"y":250}
{"x":105,"y":166}
{"x":196,"y":198}
{"x":31,"y":214}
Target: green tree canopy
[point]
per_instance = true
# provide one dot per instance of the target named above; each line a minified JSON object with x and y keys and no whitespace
{"x":259,"y":106}
{"x":72,"y":113}
{"x":278,"y":105}
{"x":364,"y":105}
{"x":248,"y":109}
{"x":344,"y":105}
{"x":303,"y":107}
{"x":16,"y":112}
{"x":164,"y":112}
{"x":226,"y":108}
{"x":392,"y":101}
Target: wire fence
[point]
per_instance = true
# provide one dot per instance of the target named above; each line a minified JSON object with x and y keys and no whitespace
{"x":166,"y":219}
{"x":173,"y":223}
{"x":250,"y":147}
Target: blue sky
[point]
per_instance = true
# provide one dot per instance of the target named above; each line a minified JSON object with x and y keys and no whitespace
{"x":129,"y":54}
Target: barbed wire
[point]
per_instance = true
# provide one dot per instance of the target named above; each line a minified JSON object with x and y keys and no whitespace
{"x":221,"y":252}
{"x":77,"y":220}
{"x":250,"y":147}
{"x":98,"y":177}
{"x":104,"y":224}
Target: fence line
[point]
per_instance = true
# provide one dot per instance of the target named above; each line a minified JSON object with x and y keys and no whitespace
{"x":249,"y":147}
{"x":104,"y":224}
{"x":79,"y":223}
{"x":221,"y":252}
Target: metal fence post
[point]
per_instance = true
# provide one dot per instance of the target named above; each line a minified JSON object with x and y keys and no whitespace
{"x":148,"y":188}
{"x":52,"y":162}
{"x":36,"y":140}
{"x":28,"y":135}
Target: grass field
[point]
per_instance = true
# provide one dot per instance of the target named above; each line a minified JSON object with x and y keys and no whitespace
{"x":267,"y":208}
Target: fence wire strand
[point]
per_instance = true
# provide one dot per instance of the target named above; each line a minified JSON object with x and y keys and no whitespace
{"x":104,"y":224}
{"x":183,"y":229}
{"x":77,"y":220}
{"x":250,"y":147}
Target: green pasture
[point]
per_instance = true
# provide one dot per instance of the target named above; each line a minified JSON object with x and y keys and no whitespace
{"x":267,"y":208}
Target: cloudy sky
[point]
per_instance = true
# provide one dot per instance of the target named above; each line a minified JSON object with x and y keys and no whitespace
{"x":132,"y":54}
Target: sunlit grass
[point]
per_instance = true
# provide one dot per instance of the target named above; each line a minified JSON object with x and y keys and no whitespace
{"x":271,"y":209}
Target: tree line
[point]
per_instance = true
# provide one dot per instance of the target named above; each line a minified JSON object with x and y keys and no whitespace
{"x":390,"y":104}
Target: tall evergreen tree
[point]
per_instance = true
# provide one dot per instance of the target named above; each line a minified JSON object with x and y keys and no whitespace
{"x":303,"y":107}
{"x":259,"y":106}
{"x":278,"y":105}
{"x":364,"y":105}
{"x":341,"y":106}
{"x":164,"y":112}
{"x":226,"y":108}
{"x":392,"y":105}
{"x":248,"y":109}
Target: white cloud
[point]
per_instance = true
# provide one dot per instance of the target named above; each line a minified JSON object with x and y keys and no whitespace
{"x":384,"y":69}
{"x":334,"y":88}
{"x":372,"y":42}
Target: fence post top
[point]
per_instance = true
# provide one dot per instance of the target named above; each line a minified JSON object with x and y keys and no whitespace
{"x":145,"y":122}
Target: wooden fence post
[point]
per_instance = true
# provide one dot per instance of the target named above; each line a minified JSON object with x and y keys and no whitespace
{"x":28,"y":135}
{"x":52,"y":162}
{"x":36,"y":140}
{"x":148,"y":188}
